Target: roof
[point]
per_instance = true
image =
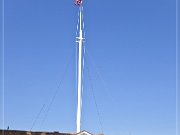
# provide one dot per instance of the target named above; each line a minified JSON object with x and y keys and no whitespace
{"x":84,"y":133}
{"x":20,"y":132}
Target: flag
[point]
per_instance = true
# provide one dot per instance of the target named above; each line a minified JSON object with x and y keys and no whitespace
{"x":78,"y":2}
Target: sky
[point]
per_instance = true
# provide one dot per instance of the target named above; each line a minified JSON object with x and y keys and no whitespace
{"x":129,"y":72}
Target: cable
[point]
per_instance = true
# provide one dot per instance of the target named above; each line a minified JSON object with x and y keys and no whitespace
{"x":83,"y":22}
{"x":77,"y":25}
{"x":92,"y":90}
{"x":56,"y":92}
{"x":3,"y":47}
{"x":106,"y":90}
{"x":37,"y":117}
{"x":177,"y":71}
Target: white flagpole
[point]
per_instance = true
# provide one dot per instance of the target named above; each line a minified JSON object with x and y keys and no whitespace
{"x":80,"y":46}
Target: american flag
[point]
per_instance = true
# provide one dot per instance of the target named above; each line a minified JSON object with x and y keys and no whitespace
{"x":78,"y":2}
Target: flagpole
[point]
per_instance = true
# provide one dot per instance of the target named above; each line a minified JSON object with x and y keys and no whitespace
{"x":79,"y":83}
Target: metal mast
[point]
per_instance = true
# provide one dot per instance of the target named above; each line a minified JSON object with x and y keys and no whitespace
{"x":80,"y":66}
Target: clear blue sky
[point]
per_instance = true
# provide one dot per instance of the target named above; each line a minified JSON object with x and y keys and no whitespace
{"x":130,"y":58}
